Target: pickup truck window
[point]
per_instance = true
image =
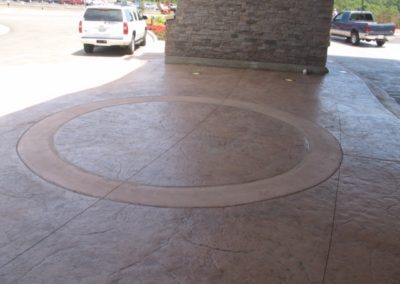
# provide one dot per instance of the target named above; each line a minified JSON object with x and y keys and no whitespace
{"x":106,"y":15}
{"x":361,"y":17}
{"x":338,"y":18}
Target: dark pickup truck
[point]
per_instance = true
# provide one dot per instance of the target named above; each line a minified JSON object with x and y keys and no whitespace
{"x":360,"y":25}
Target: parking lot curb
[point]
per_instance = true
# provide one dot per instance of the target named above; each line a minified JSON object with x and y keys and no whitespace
{"x":383,"y":97}
{"x":386,"y":100}
{"x":152,"y":36}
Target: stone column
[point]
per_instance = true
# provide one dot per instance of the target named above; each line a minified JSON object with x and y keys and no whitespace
{"x":287,"y":35}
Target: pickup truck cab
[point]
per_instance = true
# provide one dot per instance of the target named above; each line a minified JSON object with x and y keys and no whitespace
{"x":360,"y":25}
{"x":111,"y":25}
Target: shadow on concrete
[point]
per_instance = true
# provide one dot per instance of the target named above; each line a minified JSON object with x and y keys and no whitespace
{"x":381,"y":76}
{"x":382,"y":72}
{"x":363,"y":44}
{"x":100,"y":51}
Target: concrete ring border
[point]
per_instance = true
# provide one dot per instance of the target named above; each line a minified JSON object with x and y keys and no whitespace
{"x":36,"y":148}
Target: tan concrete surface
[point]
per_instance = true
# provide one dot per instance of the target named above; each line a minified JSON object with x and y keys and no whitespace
{"x":345,"y":229}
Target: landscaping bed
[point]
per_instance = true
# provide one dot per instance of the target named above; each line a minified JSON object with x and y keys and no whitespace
{"x":157,"y":24}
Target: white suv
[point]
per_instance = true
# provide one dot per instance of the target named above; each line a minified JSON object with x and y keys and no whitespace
{"x":112,"y":25}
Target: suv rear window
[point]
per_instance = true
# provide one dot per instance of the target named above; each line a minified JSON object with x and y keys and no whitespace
{"x":106,"y":15}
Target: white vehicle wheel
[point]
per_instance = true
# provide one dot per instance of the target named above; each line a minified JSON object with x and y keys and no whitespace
{"x":131,"y":47}
{"x":143,"y":43}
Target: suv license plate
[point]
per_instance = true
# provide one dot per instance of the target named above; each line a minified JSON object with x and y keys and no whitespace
{"x":101,"y":41}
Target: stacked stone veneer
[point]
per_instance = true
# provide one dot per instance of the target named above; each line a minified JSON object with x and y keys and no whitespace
{"x":271,"y":34}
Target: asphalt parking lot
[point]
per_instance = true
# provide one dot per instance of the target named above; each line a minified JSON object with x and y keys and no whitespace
{"x":42,"y":57}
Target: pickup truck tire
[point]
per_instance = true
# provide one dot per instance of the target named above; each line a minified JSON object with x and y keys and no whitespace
{"x":131,"y":47}
{"x":355,"y":38}
{"x":88,"y":48}
{"x":380,"y":42}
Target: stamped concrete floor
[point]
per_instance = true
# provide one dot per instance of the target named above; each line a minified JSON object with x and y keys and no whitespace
{"x":189,"y":174}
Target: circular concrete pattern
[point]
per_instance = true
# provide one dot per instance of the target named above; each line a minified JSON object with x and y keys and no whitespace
{"x":180,"y":151}
{"x":180,"y":144}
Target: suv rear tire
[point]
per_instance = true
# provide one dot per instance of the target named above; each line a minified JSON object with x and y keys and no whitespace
{"x":88,"y":48}
{"x":130,"y":49}
{"x":380,"y":42}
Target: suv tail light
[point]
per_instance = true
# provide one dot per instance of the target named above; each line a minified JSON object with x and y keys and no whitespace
{"x":80,"y":26}
{"x":126,"y":29}
{"x":367,"y":29}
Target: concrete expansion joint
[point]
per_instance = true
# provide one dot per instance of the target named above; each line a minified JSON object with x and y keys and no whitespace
{"x":371,"y":158}
{"x":213,"y":248}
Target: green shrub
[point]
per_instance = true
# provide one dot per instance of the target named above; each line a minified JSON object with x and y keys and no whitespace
{"x":159,"y":20}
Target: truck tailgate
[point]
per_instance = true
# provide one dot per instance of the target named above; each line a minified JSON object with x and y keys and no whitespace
{"x":381,"y":29}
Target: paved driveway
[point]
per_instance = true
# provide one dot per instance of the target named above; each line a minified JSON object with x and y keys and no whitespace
{"x":193,"y":129}
{"x":42,"y":58}
{"x":380,"y":66}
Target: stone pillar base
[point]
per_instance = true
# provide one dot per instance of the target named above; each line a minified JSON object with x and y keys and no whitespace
{"x":245,"y":64}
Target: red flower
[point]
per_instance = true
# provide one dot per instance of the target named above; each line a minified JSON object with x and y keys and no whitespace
{"x":157,"y":28}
